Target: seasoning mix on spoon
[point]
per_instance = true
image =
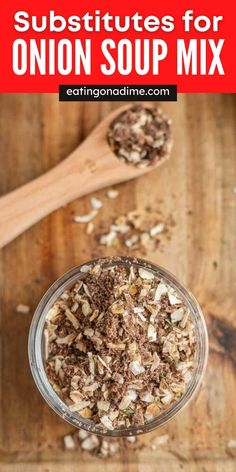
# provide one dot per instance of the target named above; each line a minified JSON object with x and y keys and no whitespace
{"x":120,"y":346}
{"x":141,"y":136}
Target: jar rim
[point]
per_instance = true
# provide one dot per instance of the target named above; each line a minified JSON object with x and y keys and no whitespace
{"x":35,"y":347}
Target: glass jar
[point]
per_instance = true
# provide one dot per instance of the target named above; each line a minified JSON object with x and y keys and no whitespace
{"x":36,"y":348}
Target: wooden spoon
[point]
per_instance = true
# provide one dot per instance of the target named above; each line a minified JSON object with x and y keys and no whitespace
{"x":91,"y":166}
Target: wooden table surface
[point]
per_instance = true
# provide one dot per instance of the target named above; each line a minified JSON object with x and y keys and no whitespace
{"x":198,"y":188}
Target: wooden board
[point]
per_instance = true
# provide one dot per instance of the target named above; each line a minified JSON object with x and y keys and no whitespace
{"x":196,"y":187}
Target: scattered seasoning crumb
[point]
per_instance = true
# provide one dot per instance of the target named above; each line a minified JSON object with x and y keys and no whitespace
{"x":141,"y":136}
{"x":131,"y":439}
{"x":160,"y":441}
{"x":90,"y":443}
{"x":112,"y":193}
{"x":107,"y":239}
{"x":138,"y":230}
{"x":85,"y":218}
{"x":118,"y":354}
{"x":24,"y":309}
{"x":231,"y":443}
{"x":90,"y":227}
{"x":102,"y":448}
{"x":69,"y":442}
{"x":96,"y":204}
{"x":157,"y":229}
{"x":231,"y":447}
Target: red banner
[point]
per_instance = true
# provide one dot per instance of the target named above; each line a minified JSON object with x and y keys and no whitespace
{"x":47,"y":43}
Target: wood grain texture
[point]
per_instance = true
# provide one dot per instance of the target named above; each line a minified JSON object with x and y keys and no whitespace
{"x":196,"y":188}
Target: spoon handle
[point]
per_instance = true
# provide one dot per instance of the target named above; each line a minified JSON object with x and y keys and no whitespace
{"x":23,"y":207}
{"x":90,"y":167}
